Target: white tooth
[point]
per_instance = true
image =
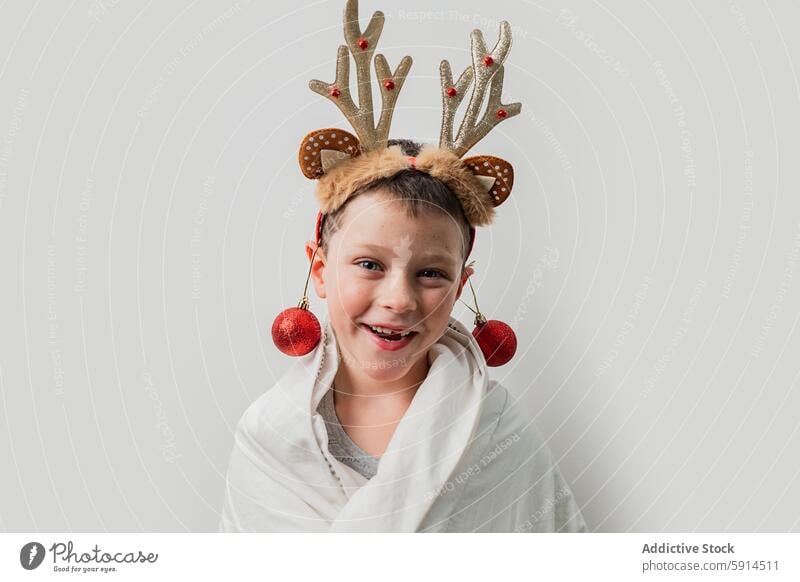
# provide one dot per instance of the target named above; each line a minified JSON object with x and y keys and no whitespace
{"x":388,"y":331}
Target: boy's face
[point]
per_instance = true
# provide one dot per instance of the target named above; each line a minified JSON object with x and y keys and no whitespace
{"x":384,"y":267}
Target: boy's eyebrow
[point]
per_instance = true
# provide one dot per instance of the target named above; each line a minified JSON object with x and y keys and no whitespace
{"x":424,"y":254}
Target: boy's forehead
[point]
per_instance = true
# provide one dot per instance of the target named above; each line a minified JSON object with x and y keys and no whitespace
{"x":436,"y":251}
{"x":378,"y":209}
{"x":377,"y":222}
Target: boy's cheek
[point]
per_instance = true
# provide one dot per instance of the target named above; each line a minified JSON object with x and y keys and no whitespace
{"x":348,"y":297}
{"x":458,"y":292}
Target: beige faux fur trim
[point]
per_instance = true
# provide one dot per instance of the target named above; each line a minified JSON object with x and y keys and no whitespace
{"x":349,"y":176}
{"x":450,"y":169}
{"x":335,"y":187}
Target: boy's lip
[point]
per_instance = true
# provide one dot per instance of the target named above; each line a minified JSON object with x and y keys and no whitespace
{"x":384,"y":344}
{"x":397,"y":328}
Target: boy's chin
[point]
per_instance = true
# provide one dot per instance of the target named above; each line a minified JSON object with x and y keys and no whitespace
{"x":391,"y":367}
{"x":387,"y":369}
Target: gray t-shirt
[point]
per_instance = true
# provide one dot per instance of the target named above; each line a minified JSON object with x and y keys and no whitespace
{"x":341,"y":445}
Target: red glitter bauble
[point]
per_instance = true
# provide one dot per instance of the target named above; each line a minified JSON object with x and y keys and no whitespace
{"x":389,"y":84}
{"x":488,"y":60}
{"x":452,"y":91}
{"x":502,"y":113}
{"x":497,"y":341}
{"x":296,"y":331}
{"x":363,"y":43}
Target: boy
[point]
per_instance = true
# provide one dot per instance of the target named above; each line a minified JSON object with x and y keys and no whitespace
{"x":391,"y":423}
{"x":408,"y":283}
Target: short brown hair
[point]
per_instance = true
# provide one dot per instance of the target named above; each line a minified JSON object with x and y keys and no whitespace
{"x":416,"y":190}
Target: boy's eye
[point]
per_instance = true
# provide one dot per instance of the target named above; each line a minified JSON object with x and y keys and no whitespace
{"x":435,"y":274}
{"x":427,"y":273}
{"x":368,"y":262}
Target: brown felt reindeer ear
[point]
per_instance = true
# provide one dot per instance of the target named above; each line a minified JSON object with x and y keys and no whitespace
{"x":496,"y":174}
{"x":322,"y":149}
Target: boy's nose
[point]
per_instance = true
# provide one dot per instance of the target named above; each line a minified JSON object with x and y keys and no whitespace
{"x":398,"y":295}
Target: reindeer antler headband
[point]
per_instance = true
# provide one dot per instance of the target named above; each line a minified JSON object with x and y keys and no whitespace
{"x":344,"y":163}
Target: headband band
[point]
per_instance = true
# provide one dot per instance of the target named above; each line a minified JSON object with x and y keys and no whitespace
{"x":344,"y":163}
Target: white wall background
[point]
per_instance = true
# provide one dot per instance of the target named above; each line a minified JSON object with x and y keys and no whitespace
{"x":152,"y":218}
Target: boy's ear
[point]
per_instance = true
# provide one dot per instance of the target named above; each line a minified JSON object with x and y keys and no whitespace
{"x":468,"y":271}
{"x":317,"y":268}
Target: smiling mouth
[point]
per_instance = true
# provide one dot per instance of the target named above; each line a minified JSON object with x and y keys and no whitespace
{"x":391,"y":337}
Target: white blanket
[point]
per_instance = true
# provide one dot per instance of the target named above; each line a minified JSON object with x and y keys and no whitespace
{"x":462,"y":459}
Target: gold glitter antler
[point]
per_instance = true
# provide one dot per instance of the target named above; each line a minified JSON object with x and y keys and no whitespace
{"x":362,"y":45}
{"x":487,"y":71}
